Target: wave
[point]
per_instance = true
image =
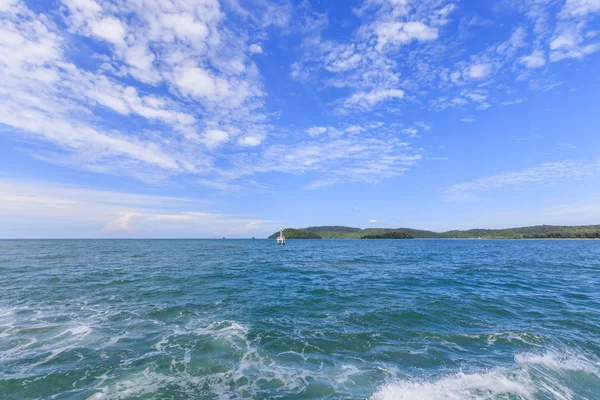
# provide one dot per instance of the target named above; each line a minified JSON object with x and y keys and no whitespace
{"x":551,"y":375}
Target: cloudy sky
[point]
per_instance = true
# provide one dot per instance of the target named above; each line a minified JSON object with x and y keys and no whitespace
{"x":207,"y":118}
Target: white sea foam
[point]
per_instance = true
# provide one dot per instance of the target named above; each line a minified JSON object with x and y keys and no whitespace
{"x":526,"y":338}
{"x":460,"y":386}
{"x":532,"y":374}
{"x":561,"y":362}
{"x":250,"y":370}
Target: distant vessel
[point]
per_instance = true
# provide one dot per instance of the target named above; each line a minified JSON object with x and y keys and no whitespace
{"x":281,"y":238}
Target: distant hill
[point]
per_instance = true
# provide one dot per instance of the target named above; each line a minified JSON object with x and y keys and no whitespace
{"x":290,"y":233}
{"x":529,"y":232}
{"x":345,"y":232}
{"x":389,"y":235}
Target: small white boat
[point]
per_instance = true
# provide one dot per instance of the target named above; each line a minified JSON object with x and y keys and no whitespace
{"x":281,"y":238}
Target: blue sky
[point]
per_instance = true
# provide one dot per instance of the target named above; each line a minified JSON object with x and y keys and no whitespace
{"x":206,"y":118}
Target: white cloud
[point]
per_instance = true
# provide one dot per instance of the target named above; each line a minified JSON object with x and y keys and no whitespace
{"x":215,"y":137}
{"x":6,"y":5}
{"x":572,"y":37}
{"x":476,"y":96}
{"x":568,"y":146}
{"x":565,"y":48}
{"x":255,"y":49}
{"x":390,"y":33}
{"x":354,"y":129}
{"x":410,"y":131}
{"x":367,"y":100}
{"x":250,"y":140}
{"x":316,"y":130}
{"x":513,"y":102}
{"x":44,"y":95}
{"x":373,"y":221}
{"x":200,"y":83}
{"x":172,"y":79}
{"x":368,"y":62}
{"x":219,"y":185}
{"x":122,"y":223}
{"x":374,"y":155}
{"x":480,"y":71}
{"x":109,"y":29}
{"x":534,"y":60}
{"x":212,"y":103}
{"x":580,"y":7}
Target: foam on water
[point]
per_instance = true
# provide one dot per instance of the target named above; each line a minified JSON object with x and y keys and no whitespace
{"x":533,"y":375}
{"x":248,"y":374}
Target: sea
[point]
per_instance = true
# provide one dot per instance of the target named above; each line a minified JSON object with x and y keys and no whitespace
{"x":315,"y":319}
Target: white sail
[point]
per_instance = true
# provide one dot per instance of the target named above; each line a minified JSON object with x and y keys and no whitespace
{"x":281,"y":238}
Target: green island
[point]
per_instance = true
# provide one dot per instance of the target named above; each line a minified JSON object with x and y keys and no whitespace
{"x":290,"y":233}
{"x":529,"y":232}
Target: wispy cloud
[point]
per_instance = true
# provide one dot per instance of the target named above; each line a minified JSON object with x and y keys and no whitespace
{"x":572,"y":37}
{"x":70,"y":211}
{"x":370,"y":157}
{"x":513,"y":102}
{"x":568,"y":145}
{"x":541,"y":174}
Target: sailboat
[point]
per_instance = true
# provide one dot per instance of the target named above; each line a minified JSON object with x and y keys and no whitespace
{"x":281,"y":238}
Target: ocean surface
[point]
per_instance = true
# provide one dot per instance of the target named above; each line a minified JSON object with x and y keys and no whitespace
{"x":337,"y":319}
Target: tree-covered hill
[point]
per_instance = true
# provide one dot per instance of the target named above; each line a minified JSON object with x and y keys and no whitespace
{"x":529,"y":232}
{"x":345,"y":232}
{"x":334,"y":232}
{"x":389,"y":235}
{"x":290,"y":233}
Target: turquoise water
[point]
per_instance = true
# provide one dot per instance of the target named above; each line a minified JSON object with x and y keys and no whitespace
{"x":339,"y":319}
